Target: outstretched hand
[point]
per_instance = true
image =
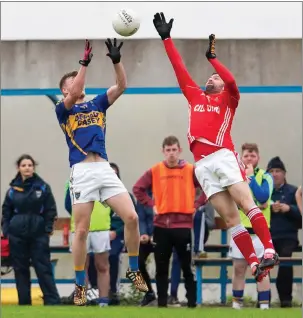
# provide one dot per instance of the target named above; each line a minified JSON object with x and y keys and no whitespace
{"x":114,"y":50}
{"x":162,"y":27}
{"x":210,"y":53}
{"x":88,"y":55}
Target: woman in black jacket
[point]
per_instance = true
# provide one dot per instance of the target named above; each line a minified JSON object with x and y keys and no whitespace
{"x":28,"y":214}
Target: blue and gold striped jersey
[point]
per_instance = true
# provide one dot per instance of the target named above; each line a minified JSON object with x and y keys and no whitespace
{"x":84,"y":126}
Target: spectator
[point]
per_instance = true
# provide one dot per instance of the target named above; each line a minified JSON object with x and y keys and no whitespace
{"x":286,"y":219}
{"x":28,"y":212}
{"x":173,"y":186}
{"x":261,"y":186}
{"x":98,"y":246}
{"x":146,"y":219}
{"x":201,"y":233}
{"x":299,"y":198}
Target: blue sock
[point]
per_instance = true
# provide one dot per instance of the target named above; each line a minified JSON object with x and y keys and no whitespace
{"x":263,"y":297}
{"x":133,"y":263}
{"x":238,"y":295}
{"x":80,"y":278}
{"x":103,"y":301}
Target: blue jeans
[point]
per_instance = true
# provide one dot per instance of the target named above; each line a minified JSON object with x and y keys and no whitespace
{"x":117,"y":246}
{"x":175,"y":275}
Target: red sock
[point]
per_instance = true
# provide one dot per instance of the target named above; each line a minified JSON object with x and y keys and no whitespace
{"x":260,"y":227}
{"x":244,"y":243}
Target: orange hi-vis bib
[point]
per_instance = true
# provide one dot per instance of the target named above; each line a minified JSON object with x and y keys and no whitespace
{"x":173,"y":189}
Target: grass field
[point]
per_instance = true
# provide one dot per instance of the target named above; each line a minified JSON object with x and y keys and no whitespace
{"x":147,"y":312}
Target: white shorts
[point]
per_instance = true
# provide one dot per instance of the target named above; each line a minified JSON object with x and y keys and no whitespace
{"x":94,"y":181}
{"x":97,"y":242}
{"x":235,"y":253}
{"x":219,"y":170}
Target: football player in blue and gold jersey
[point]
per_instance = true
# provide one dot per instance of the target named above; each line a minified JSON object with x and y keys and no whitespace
{"x":92,"y":179}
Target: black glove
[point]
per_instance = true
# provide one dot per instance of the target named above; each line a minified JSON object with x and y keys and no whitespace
{"x":88,"y":55}
{"x":161,"y":26}
{"x":210,"y":53}
{"x":114,"y":50}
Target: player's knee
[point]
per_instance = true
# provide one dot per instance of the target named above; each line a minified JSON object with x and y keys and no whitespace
{"x":246,"y":202}
{"x":239,"y":270}
{"x":131,"y":219}
{"x":102,"y":267}
{"x":232,"y":220}
{"x":81,"y":233}
{"x":264,"y":284}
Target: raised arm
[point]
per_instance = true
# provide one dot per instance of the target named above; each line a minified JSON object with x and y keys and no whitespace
{"x":185,"y":81}
{"x":78,"y":84}
{"x":223,"y":72}
{"x":115,"y":91}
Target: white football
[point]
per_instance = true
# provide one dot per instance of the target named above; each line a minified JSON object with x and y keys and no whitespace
{"x":126,"y":22}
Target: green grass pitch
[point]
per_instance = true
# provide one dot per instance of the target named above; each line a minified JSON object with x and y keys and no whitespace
{"x":147,"y":312}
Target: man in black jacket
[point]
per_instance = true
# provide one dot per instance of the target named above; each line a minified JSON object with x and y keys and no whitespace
{"x":286,"y":219}
{"x":28,"y":215}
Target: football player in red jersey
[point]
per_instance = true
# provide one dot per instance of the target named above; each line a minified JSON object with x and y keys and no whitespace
{"x":218,"y":167}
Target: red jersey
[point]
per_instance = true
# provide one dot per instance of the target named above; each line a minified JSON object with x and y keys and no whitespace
{"x":210,"y":116}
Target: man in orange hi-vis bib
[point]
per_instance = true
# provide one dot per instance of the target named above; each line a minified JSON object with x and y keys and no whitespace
{"x":173,"y":184}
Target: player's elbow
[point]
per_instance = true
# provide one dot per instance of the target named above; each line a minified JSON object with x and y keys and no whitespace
{"x":121,"y":90}
{"x":121,"y":86}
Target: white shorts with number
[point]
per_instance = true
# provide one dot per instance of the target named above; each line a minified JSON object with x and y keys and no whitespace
{"x":94,"y":181}
{"x":219,"y":170}
{"x":97,"y":242}
{"x":235,"y":253}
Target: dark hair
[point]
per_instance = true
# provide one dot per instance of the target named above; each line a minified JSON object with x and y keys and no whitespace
{"x":65,"y":77}
{"x":250,"y":147}
{"x":26,"y":157}
{"x":116,"y":167}
{"x":170,"y":140}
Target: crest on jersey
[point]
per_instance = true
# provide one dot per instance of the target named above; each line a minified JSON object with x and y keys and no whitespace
{"x":38,"y":193}
{"x":83,"y":106}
